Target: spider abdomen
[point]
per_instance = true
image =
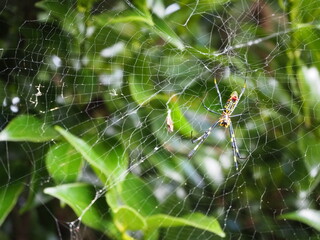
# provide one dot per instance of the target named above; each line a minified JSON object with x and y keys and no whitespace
{"x":224,"y":120}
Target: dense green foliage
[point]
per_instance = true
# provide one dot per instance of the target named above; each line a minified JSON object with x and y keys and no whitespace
{"x":87,"y":143}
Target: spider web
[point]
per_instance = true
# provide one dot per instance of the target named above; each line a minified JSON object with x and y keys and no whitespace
{"x":129,"y":79}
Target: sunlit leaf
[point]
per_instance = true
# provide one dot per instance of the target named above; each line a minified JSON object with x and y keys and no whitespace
{"x":27,"y":128}
{"x":81,"y":198}
{"x":310,"y":217}
{"x":106,"y":163}
{"x":305,"y":11}
{"x":125,"y":16}
{"x":84,"y":149}
{"x":85,"y":5}
{"x":127,"y":218}
{"x":63,"y":162}
{"x":309,"y":82}
{"x":135,"y":193}
{"x":180,"y":122}
{"x":115,"y":157}
{"x":203,"y":6}
{"x":196,"y":220}
{"x":309,"y":147}
{"x":157,"y":25}
{"x":307,"y":35}
{"x":165,"y":31}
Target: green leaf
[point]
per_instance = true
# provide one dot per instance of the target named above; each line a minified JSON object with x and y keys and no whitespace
{"x":165,"y":32}
{"x":85,"y":5}
{"x":27,"y":128}
{"x":156,"y":24}
{"x":169,"y":166}
{"x":310,"y":148}
{"x":309,"y":82}
{"x":82,"y":199}
{"x":180,"y":122}
{"x":197,"y":220}
{"x":63,"y":162}
{"x":137,"y":194}
{"x":140,"y":5}
{"x":184,"y":68}
{"x":57,"y":9}
{"x":138,"y":13}
{"x":307,"y":35}
{"x":34,"y":186}
{"x":3,"y":94}
{"x":111,"y":165}
{"x":84,"y":149}
{"x":304,"y":12}
{"x":141,"y":86}
{"x":125,"y":16}
{"x":113,"y":154}
{"x":134,"y":193}
{"x":35,"y":182}
{"x":307,"y":216}
{"x":69,"y":18}
{"x":8,"y":198}
{"x":191,"y":10}
{"x":127,"y":218}
{"x":273,"y":90}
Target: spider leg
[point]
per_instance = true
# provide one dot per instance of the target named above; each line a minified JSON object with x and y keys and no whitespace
{"x":243,"y":88}
{"x":208,"y":109}
{"x":237,"y":115}
{"x":201,"y":139}
{"x":218,"y":91}
{"x":236,"y":154}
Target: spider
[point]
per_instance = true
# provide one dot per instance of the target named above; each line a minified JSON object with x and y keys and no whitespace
{"x":223,"y":121}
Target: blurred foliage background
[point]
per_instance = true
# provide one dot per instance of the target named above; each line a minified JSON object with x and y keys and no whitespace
{"x":100,"y":101}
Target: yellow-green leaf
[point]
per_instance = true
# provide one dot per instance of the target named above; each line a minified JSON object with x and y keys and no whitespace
{"x":197,"y":220}
{"x":8,"y":198}
{"x":28,"y":128}
{"x":127,"y":218}
{"x":310,"y":217}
